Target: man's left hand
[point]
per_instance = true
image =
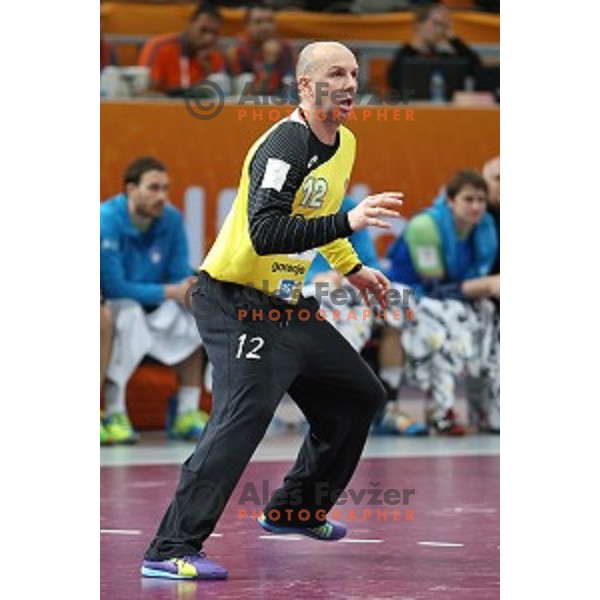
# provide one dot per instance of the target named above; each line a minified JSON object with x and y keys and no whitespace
{"x":371,"y":280}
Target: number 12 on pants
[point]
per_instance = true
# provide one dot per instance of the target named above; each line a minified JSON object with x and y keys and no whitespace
{"x":251,"y":354}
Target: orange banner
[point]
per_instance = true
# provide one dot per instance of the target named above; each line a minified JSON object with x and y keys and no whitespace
{"x":413,"y":152}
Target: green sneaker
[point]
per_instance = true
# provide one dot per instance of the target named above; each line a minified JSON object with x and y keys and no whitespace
{"x":188,"y":426}
{"x":104,"y":435}
{"x":120,"y":429}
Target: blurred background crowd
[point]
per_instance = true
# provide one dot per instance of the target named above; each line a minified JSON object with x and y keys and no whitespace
{"x":247,"y":49}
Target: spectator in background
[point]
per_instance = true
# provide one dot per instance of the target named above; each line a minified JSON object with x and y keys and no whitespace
{"x":108,"y":55}
{"x":262,"y":52}
{"x":433,"y":38}
{"x":446,"y":254}
{"x":178,"y":60}
{"x":106,"y":340}
{"x":491,"y":6}
{"x":145,"y":275}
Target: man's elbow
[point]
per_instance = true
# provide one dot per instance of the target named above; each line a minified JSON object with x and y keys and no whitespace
{"x":260,"y":243}
{"x":260,"y":247}
{"x":114,"y":288}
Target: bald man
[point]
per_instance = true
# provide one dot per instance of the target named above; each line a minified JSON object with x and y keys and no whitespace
{"x":264,"y":338}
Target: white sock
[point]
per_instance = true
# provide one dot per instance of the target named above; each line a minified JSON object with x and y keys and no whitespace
{"x":392,"y":376}
{"x":188,"y":399}
{"x":114,"y":399}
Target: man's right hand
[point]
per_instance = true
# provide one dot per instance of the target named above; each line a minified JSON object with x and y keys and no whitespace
{"x":368,"y":213}
{"x":495,"y":286}
{"x":482,"y":287}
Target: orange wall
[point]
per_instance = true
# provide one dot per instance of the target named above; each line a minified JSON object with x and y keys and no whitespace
{"x":415,"y":157}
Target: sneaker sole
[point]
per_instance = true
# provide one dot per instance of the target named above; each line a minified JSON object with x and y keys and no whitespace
{"x":297,"y":530}
{"x":146,"y":572}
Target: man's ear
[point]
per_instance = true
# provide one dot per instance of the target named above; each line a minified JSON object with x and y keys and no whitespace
{"x":304,"y":85}
{"x":130,"y":188}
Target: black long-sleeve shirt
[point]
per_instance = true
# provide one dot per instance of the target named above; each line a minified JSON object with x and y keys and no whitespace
{"x":294,"y":149}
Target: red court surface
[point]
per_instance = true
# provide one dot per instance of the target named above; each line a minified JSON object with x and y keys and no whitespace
{"x":449,"y":551}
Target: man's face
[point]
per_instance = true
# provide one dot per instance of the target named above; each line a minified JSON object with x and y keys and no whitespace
{"x":492,"y":178}
{"x":435,"y":29}
{"x":203,"y":32}
{"x":468,"y":206}
{"x":150,"y":195}
{"x":261,"y":25}
{"x":331,"y":87}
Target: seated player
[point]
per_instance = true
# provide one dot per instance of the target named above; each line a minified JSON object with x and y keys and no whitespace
{"x":445,"y":254}
{"x":262,"y":52}
{"x":145,"y":275}
{"x":178,"y":60}
{"x":483,"y":393}
{"x":391,"y":420}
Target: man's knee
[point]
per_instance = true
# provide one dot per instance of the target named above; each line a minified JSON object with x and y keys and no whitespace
{"x":373,"y":392}
{"x":379,"y":393}
{"x":195,"y":359}
{"x":250,"y":418}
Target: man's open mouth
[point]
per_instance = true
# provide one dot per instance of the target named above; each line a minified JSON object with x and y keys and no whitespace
{"x":347,"y":104}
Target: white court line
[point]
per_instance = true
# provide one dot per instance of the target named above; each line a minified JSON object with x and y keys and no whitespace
{"x":441,"y":544}
{"x":147,"y":484}
{"x":138,"y":532}
{"x":287,"y":537}
{"x":355,"y":541}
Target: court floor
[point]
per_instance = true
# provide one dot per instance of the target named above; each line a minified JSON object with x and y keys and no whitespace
{"x":442,"y":541}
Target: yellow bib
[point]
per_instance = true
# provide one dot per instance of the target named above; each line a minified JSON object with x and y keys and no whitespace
{"x":232,"y":256}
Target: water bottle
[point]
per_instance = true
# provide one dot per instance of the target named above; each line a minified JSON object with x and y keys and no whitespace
{"x":437,"y":87}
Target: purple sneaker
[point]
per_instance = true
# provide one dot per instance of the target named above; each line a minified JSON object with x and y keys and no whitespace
{"x":195,"y":566}
{"x":330,"y":531}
